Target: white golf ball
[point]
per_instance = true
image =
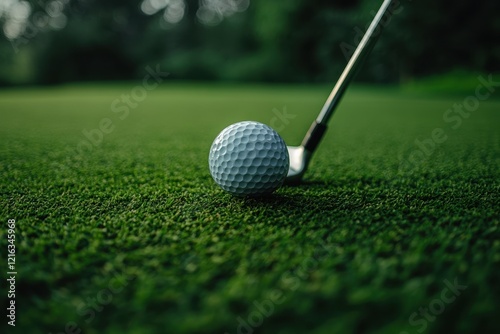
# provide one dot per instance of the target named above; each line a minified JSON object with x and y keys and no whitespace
{"x":249,"y":159}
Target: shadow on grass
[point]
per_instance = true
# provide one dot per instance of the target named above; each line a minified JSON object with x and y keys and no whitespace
{"x":308,"y":196}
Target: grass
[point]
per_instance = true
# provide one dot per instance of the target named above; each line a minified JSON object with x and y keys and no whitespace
{"x":131,"y":235}
{"x":458,"y":82}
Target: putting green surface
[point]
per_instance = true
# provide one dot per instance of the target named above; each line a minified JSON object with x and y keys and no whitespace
{"x":122,"y":230}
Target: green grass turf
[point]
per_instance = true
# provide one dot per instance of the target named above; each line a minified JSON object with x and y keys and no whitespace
{"x":133,"y":236}
{"x":453,"y":83}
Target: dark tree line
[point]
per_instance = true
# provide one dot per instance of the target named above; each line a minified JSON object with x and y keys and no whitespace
{"x":293,"y":40}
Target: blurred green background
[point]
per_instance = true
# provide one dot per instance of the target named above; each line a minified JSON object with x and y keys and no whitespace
{"x":57,"y":41}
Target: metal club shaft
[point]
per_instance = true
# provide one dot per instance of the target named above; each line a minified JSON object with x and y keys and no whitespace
{"x":367,"y":43}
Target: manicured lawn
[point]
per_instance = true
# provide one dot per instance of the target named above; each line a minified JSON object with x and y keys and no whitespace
{"x":122,"y":230}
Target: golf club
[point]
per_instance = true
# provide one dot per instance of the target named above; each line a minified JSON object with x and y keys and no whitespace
{"x":300,"y":156}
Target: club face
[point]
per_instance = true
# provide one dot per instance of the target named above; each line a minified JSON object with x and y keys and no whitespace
{"x":299,"y":160}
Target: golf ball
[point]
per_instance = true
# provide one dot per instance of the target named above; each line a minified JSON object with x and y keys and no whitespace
{"x":249,"y":159}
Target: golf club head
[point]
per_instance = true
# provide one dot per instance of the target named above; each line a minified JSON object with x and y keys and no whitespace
{"x":299,"y":160}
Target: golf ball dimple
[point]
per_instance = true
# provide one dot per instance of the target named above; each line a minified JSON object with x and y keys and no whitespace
{"x":249,"y":159}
